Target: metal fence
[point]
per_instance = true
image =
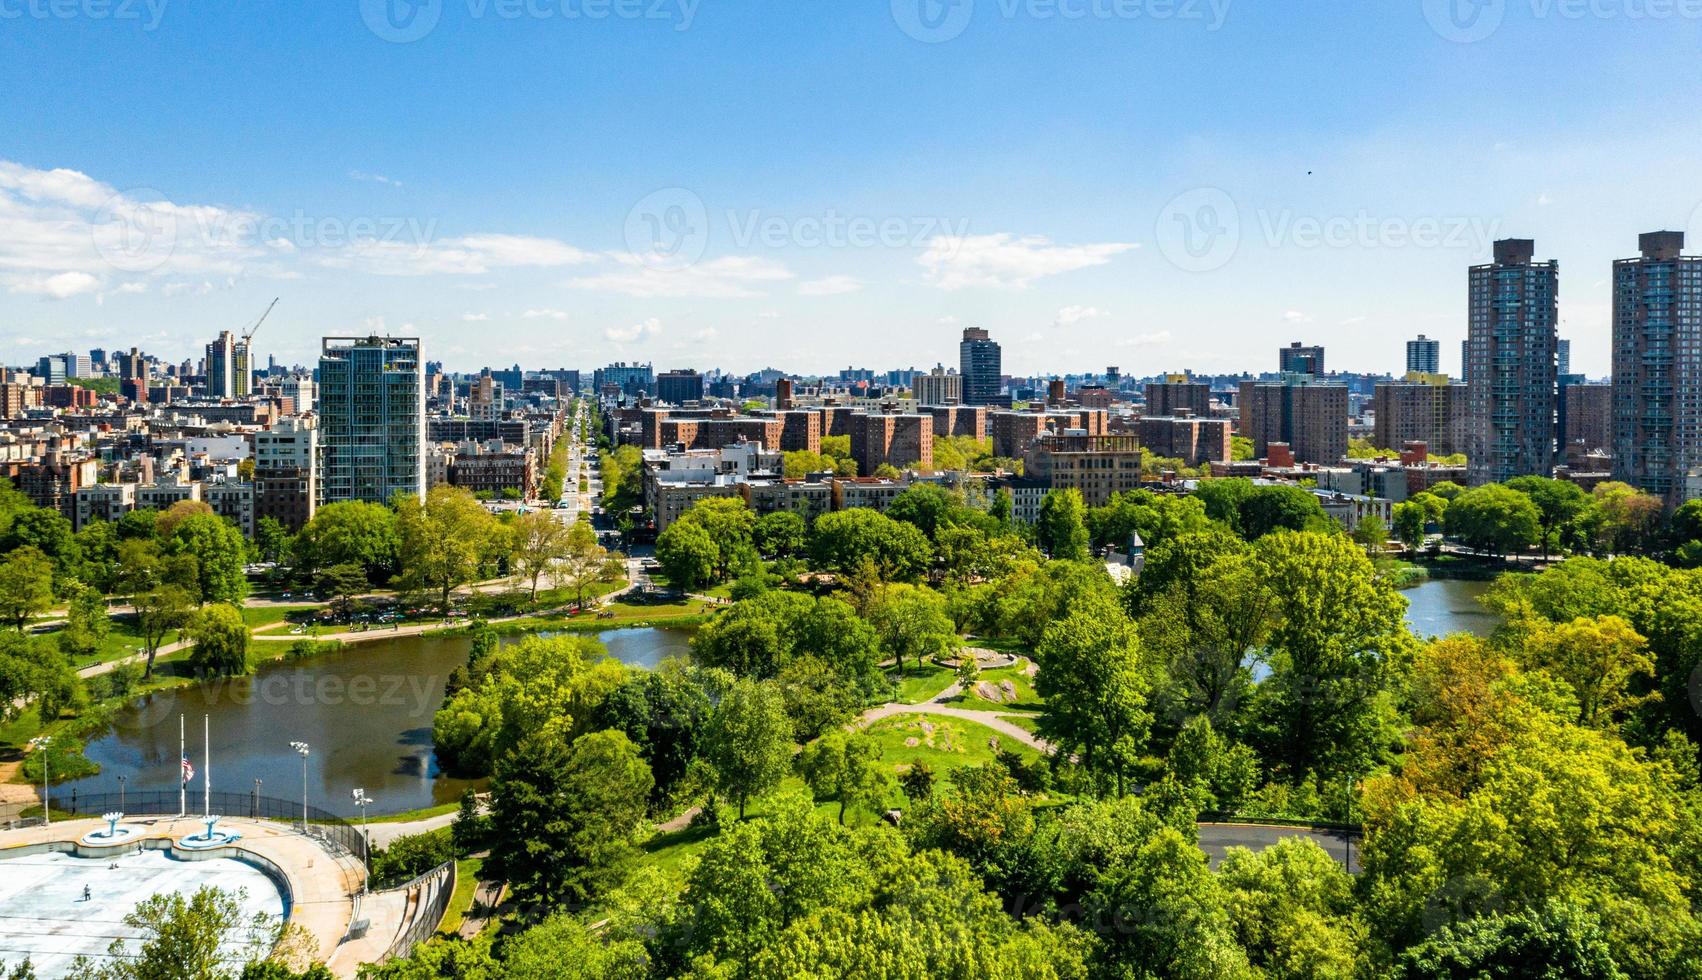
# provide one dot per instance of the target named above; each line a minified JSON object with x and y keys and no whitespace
{"x":327,"y":826}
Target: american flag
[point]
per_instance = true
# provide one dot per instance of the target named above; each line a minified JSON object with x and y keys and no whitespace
{"x":188,"y":771}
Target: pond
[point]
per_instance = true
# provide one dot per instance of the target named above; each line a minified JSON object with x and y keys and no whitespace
{"x":1440,"y":606}
{"x":365,"y":712}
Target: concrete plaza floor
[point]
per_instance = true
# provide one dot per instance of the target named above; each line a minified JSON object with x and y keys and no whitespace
{"x":321,"y":884}
{"x":44,"y":917}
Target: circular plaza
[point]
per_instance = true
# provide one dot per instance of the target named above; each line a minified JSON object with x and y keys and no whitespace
{"x":67,"y":888}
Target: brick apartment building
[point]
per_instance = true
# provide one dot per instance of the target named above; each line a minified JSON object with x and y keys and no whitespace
{"x":1195,"y":441}
{"x":1432,"y":411}
{"x":1310,"y":418}
{"x":899,"y":441}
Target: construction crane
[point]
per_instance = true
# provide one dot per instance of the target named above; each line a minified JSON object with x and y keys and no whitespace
{"x":249,"y":333}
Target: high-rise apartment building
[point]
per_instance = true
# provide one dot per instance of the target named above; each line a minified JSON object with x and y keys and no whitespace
{"x":286,"y":486}
{"x":371,"y":418}
{"x":679,"y":387}
{"x":1424,"y":356}
{"x":1563,"y":357}
{"x":1657,"y":366}
{"x":484,"y":398}
{"x":1298,"y":359}
{"x":53,"y":369}
{"x":1511,"y":366}
{"x":1310,"y":417}
{"x":631,"y":380}
{"x":1589,"y":416}
{"x":302,"y":393}
{"x":941,"y":386}
{"x":1425,"y":408}
{"x":1173,"y":397}
{"x":228,"y":370}
{"x":900,"y":441}
{"x":980,"y":363}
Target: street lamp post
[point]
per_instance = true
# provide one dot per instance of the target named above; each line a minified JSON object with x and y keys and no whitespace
{"x":121,"y":794}
{"x":361,"y":800}
{"x":40,"y":743}
{"x":301,"y":749}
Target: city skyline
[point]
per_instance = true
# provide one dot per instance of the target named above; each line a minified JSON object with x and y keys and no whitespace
{"x":1025,"y":195}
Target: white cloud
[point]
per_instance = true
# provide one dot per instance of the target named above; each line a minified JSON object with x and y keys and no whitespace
{"x":63,"y":285}
{"x":1146,"y":339}
{"x":375,"y":178}
{"x":626,"y":335}
{"x":475,"y":317}
{"x":132,"y":287}
{"x":1071,"y":315}
{"x":728,"y":277}
{"x":1005,"y":261}
{"x":1295,"y":316}
{"x":470,"y":255}
{"x":55,"y":222}
{"x":830,"y":286}
{"x":707,"y":333}
{"x":544,"y":314}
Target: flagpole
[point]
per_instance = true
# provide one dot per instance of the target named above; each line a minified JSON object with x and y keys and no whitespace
{"x":207,"y":774}
{"x":182,"y":783}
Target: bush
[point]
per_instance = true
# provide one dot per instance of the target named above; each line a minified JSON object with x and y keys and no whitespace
{"x":65,"y":761}
{"x":409,"y":857}
{"x":119,"y":682}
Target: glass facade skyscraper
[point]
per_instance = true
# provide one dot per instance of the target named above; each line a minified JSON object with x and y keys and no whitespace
{"x":1424,"y":356}
{"x":981,"y":364}
{"x":371,"y":419}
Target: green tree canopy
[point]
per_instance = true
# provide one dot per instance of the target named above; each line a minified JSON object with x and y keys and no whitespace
{"x":843,"y":540}
{"x":220,"y":638}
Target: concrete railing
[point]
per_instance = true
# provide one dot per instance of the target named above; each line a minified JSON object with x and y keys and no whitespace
{"x":427,"y":902}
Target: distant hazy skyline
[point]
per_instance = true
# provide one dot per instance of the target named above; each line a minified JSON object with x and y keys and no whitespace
{"x":1156,"y":184}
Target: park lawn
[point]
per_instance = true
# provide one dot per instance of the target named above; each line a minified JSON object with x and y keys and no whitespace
{"x":627,"y":613}
{"x":1026,"y":700}
{"x":669,"y":850}
{"x":424,"y":813}
{"x":1026,"y":722}
{"x":466,"y":884}
{"x":555,"y":598}
{"x":943,"y":743}
{"x":917,"y":685}
{"x":258,"y":616}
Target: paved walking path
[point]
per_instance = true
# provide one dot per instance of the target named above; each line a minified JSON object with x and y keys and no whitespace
{"x":941,"y":704}
{"x":938,"y":706}
{"x":487,"y":896}
{"x":385,"y":834}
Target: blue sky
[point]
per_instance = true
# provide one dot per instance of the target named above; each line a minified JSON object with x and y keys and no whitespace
{"x":1158,"y":184}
